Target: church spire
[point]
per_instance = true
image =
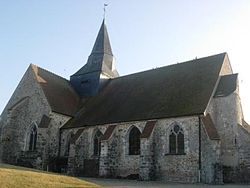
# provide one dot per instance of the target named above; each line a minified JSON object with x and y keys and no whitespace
{"x":102,"y":43}
{"x":99,"y":67}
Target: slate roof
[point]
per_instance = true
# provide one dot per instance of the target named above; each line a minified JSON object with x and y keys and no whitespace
{"x":61,"y":96}
{"x":149,"y":127}
{"x":177,"y":90}
{"x":102,"y":43}
{"x":108,"y":132}
{"x":45,"y":121}
{"x":101,"y":57}
{"x":76,"y":136}
{"x":227,"y":85}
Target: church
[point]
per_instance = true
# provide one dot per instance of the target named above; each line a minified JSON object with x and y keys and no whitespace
{"x":179,"y":123}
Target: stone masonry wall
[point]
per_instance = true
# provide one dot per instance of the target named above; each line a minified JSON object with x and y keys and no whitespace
{"x":226,"y":67}
{"x":242,"y":172}
{"x":244,"y":148}
{"x":81,"y":150}
{"x":120,"y":162}
{"x":26,"y":107}
{"x":53,"y":131}
{"x":211,"y":168}
{"x":177,"y":168}
{"x":226,"y":114}
{"x":147,"y":159}
{"x":156,"y":163}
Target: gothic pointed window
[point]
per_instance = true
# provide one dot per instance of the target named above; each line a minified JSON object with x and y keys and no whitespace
{"x":97,"y":143}
{"x":176,"y":140}
{"x":134,"y":141}
{"x":32,"y":138}
{"x":67,"y":145}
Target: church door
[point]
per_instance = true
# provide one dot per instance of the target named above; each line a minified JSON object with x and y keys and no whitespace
{"x":91,"y":168}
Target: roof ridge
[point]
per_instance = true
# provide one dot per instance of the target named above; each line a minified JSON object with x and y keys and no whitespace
{"x":181,"y":63}
{"x":54,"y":74}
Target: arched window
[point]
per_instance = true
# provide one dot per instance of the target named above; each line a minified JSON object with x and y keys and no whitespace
{"x":176,"y":140}
{"x":97,"y":143}
{"x":134,"y":141}
{"x":32,"y":137}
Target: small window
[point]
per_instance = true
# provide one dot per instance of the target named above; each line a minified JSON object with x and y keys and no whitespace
{"x":176,"y":140}
{"x":32,"y":137}
{"x":67,"y":144}
{"x":134,"y":141}
{"x":84,"y":81}
{"x":97,"y":143}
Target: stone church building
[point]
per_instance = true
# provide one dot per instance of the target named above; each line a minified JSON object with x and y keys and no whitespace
{"x":178,"y":123}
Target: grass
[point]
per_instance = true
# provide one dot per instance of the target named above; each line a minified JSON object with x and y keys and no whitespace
{"x":16,"y":177}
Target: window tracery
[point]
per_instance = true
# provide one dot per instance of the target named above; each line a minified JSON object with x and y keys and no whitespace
{"x":176,"y":140}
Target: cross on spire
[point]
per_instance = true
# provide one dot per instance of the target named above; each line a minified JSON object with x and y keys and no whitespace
{"x":104,"y":10}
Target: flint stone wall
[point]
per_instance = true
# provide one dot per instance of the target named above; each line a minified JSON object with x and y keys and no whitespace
{"x":26,"y":107}
{"x":154,"y":162}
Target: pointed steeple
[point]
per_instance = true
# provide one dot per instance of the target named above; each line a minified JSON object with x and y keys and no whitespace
{"x":102,"y":43}
{"x":99,"y":67}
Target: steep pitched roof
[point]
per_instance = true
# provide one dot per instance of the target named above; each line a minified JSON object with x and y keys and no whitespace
{"x":227,"y":85}
{"x":177,"y":90}
{"x":102,"y":43}
{"x":60,"y":95}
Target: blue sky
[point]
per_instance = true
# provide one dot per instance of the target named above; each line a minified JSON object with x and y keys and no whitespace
{"x":58,"y":35}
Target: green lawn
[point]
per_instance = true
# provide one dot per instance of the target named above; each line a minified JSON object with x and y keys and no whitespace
{"x":19,"y":177}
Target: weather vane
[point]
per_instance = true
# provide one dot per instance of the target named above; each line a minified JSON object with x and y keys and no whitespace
{"x":104,"y":10}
